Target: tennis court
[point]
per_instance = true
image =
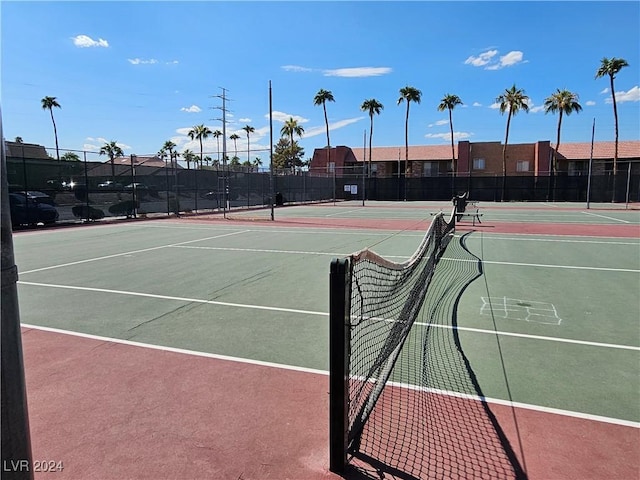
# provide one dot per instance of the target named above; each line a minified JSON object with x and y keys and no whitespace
{"x":198,"y":347}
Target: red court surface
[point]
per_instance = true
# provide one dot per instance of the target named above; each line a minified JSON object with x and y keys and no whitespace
{"x":110,"y":410}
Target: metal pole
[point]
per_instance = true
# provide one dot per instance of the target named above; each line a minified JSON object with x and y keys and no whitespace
{"x":364,"y":163}
{"x":225,"y":167}
{"x":593,"y":132}
{"x":626,"y":206}
{"x":272,"y":193}
{"x":16,"y":439}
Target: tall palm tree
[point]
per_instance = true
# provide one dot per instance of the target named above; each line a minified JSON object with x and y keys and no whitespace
{"x":168,"y":147}
{"x":408,"y":94}
{"x":512,"y":101}
{"x":372,"y":107}
{"x":321,"y":98}
{"x":562,"y":101}
{"x":611,"y":67}
{"x":200,"y":133}
{"x":47,"y":104}
{"x":449,"y":102}
{"x":289,"y":129}
{"x":249,"y":129}
{"x":235,"y":137}
{"x":217,"y":134}
{"x":112,"y":150}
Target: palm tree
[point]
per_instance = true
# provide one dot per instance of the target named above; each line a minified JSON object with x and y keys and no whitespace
{"x":289,"y":129}
{"x":112,"y":150}
{"x":235,"y":137}
{"x":168,"y":147}
{"x":610,"y":67}
{"x":47,"y":104}
{"x":217,"y":134}
{"x":200,"y":132}
{"x":249,"y":129}
{"x":189,"y":157}
{"x":372,"y":106}
{"x":408,"y":94}
{"x":512,"y":100}
{"x":321,"y":98}
{"x":562,"y":101}
{"x":449,"y":102}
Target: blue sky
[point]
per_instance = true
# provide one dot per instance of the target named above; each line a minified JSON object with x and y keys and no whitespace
{"x":141,"y":73}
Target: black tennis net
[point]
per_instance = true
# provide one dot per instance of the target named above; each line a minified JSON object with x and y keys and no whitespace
{"x":403,"y":395}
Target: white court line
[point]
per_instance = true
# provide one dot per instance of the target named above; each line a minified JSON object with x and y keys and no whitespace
{"x":131,"y":252}
{"x":341,"y":213}
{"x":604,"y":216}
{"x":170,"y":297}
{"x":262,"y":250}
{"x":556,"y":411}
{"x":316,"y":313}
{"x":494,"y":236}
{"x":542,"y":265}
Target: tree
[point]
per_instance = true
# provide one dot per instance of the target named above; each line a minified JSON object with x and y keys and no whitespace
{"x":449,"y":102}
{"x":168,"y":147}
{"x":235,"y":137}
{"x":408,"y":94}
{"x":321,"y":98}
{"x":257,"y":163}
{"x":289,"y":129}
{"x":285,"y":155}
{"x":249,"y":129}
{"x":611,"y":67}
{"x":47,"y":104}
{"x":18,"y":140}
{"x":112,"y":150}
{"x":512,"y":101}
{"x":189,"y":157}
{"x":217,"y":134}
{"x":372,"y":106}
{"x":200,"y":132}
{"x":562,"y":101}
{"x":70,"y":157}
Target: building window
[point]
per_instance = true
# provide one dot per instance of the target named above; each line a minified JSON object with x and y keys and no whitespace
{"x":430,"y":169}
{"x":522,"y":166}
{"x":478,"y":163}
{"x":331,"y":167}
{"x":577,"y":169}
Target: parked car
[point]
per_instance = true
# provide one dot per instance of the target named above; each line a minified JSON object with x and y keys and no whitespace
{"x":39,"y":197}
{"x":110,"y":185}
{"x":26,"y":211}
{"x":137,"y":187}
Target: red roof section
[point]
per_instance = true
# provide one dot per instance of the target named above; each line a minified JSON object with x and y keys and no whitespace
{"x":601,"y":150}
{"x":416,"y":152}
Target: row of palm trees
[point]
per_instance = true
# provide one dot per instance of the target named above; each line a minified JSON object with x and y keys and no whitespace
{"x":511,"y":101}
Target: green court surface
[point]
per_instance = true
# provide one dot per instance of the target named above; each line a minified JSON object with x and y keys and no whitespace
{"x":552,"y":322}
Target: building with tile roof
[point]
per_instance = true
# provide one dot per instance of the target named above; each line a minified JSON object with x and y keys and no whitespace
{"x":477,"y":159}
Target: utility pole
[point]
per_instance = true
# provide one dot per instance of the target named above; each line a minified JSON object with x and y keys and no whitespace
{"x":16,"y":440}
{"x":272,"y":193}
{"x":225,"y":198}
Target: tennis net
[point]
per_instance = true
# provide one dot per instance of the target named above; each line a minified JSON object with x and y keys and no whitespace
{"x":392,"y":376}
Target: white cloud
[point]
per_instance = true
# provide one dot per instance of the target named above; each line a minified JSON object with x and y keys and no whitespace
{"x":632,"y":95}
{"x":191,"y":109}
{"x":489,"y":62}
{"x":172,"y":62}
{"x":606,"y":90}
{"x":447,"y":136}
{"x":438,"y":123}
{"x":536,"y":109}
{"x":477,"y":104}
{"x":84,"y":41}
{"x":283,"y":117}
{"x":139,"y":61}
{"x":322,"y":129}
{"x":295,"y":68}
{"x":590,"y":103}
{"x":244,"y":120}
{"x":357,"y":72}
{"x":482,"y":59}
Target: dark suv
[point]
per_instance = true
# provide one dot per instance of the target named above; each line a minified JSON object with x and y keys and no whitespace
{"x":25,"y":210}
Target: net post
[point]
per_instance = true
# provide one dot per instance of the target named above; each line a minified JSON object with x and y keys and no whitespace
{"x":339,"y":316}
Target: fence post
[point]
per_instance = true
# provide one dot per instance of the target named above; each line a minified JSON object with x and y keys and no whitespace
{"x":339,"y":333}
